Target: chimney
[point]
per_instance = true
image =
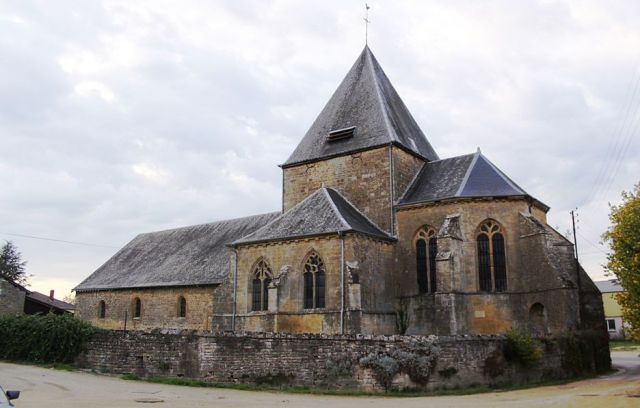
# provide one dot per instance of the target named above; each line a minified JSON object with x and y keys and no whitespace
{"x":51,"y":294}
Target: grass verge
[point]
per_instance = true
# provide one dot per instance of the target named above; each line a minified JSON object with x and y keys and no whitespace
{"x":624,"y":345}
{"x":453,"y":391}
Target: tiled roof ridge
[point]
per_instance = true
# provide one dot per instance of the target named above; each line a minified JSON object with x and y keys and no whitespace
{"x":334,"y":208}
{"x":385,"y":113}
{"x":363,"y":215}
{"x":204,"y":224}
{"x":463,"y":184}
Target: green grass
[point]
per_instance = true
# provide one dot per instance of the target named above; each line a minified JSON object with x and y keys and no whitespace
{"x":473,"y":389}
{"x":624,"y":345}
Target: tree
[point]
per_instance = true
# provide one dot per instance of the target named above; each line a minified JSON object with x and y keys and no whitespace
{"x":12,"y":267}
{"x":624,"y":259}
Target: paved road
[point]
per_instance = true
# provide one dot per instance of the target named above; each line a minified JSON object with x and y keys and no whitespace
{"x":52,"y":388}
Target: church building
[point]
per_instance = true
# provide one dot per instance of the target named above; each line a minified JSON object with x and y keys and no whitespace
{"x":377,"y":235}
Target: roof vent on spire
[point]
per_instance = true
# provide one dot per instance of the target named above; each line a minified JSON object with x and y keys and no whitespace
{"x":365,"y":100}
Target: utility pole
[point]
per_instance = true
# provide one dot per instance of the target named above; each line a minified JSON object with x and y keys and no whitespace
{"x":578,"y":280}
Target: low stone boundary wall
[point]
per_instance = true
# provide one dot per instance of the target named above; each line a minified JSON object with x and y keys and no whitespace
{"x":327,"y":361}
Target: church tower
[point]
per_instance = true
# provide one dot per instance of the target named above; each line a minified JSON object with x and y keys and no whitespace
{"x":364,"y":144}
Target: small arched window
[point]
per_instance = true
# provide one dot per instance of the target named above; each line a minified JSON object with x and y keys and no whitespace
{"x":426,"y":252}
{"x":492,"y":266}
{"x":137,"y":308}
{"x":182,"y":307}
{"x":260,"y":286}
{"x":102,"y":313}
{"x":314,"y":282}
{"x":538,"y":319}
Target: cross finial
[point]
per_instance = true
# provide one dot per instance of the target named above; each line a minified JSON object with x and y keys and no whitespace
{"x":366,"y":25}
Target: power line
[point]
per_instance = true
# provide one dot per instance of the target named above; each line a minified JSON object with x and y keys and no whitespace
{"x":617,"y":143}
{"x":591,"y":243}
{"x":57,"y":240}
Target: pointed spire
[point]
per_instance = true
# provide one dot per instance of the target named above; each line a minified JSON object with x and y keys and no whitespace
{"x":367,"y":101}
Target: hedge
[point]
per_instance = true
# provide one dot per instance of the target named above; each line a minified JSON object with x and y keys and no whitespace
{"x":46,"y":338}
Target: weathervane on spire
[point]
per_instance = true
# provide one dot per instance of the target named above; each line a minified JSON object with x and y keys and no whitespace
{"x":366,"y":25}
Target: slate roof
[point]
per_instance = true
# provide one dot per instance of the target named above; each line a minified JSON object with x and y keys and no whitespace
{"x":367,"y":100}
{"x":468,"y":176}
{"x":47,"y":301}
{"x":323,"y":212}
{"x":609,"y":286}
{"x":188,"y":256}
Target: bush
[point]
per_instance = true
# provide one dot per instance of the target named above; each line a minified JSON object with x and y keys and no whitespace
{"x":522,"y":348}
{"x":415,"y":359}
{"x":384,"y":367}
{"x":43,"y":338}
{"x":584,"y":352}
{"x":340,"y":366}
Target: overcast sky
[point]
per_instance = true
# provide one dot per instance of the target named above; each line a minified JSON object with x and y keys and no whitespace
{"x":122,"y":117}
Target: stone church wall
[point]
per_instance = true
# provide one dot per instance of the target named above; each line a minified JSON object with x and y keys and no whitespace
{"x":326,"y":361}
{"x":363,"y":178}
{"x":540,"y":269}
{"x":368,"y":304}
{"x":159,"y":308}
{"x":405,"y":167}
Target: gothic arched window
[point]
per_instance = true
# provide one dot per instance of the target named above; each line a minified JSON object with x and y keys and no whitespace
{"x":426,"y":252}
{"x":182,"y":307}
{"x":314,"y":282}
{"x":492,"y":265}
{"x":260,"y":286}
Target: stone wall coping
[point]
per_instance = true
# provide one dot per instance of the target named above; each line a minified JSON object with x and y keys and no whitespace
{"x":393,"y":338}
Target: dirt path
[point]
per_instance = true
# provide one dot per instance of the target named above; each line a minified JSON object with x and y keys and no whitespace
{"x":52,"y":388}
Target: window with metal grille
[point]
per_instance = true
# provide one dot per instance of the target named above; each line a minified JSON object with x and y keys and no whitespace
{"x":314,"y":282}
{"x":433,"y":252}
{"x":492,"y":264}
{"x":484,"y":263}
{"x":260,"y":286}
{"x":421,"y":266}
{"x":426,"y":251}
{"x":499,"y":265}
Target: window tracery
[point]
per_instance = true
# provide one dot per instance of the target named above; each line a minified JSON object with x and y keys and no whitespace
{"x":426,"y":244}
{"x":314,"y":282}
{"x":492,"y":267}
{"x":262,"y":277}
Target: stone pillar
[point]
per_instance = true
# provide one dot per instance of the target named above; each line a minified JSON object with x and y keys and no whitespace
{"x":448,"y":260}
{"x":448,"y":265}
{"x":273,"y":298}
{"x":276,"y":287}
{"x":353,"y":286}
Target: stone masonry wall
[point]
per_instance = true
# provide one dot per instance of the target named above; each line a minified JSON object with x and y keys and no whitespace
{"x":539,"y":264}
{"x":323,"y":360}
{"x":369,"y":302}
{"x":11,"y":299}
{"x":362,"y":178}
{"x":159,"y":308}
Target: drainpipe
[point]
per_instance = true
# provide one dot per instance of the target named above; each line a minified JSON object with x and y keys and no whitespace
{"x":235,"y":288}
{"x":341,"y":235}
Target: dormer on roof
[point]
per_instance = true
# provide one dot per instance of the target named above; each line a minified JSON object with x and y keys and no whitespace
{"x":364,"y":112}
